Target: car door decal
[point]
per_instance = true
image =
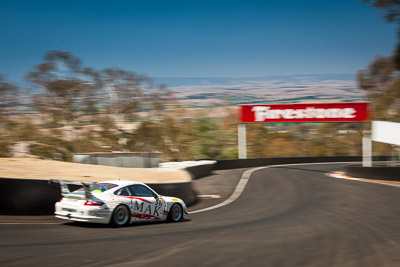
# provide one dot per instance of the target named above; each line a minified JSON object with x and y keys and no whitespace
{"x":138,"y":198}
{"x":145,"y":212}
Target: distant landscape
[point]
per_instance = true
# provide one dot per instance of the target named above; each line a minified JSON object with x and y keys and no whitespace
{"x":268,"y":89}
{"x":73,"y":110}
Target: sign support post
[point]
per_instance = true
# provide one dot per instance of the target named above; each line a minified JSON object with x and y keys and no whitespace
{"x":367,"y":149}
{"x":242,"y":145}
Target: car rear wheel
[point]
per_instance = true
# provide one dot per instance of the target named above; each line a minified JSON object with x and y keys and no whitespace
{"x":120,"y":216}
{"x":176,"y":213}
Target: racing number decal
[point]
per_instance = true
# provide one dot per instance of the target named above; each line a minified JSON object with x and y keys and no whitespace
{"x":162,"y":205}
{"x":159,"y":202}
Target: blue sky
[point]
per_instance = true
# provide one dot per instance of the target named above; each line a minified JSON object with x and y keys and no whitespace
{"x":196,"y":38}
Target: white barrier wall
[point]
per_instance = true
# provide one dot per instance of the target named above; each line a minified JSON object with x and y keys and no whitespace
{"x":120,"y":159}
{"x":386,"y":132}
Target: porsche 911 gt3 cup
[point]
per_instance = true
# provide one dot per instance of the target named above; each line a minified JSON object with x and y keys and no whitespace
{"x":117,"y":202}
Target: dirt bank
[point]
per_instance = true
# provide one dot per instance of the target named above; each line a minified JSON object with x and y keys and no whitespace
{"x":28,"y":168}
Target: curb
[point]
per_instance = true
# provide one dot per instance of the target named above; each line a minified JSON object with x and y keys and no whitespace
{"x":387,"y":173}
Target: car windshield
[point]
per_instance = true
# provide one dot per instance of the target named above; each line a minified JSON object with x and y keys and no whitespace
{"x":95,"y":188}
{"x":101,"y":187}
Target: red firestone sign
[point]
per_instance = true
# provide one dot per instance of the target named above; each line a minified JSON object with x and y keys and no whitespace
{"x":328,"y":112}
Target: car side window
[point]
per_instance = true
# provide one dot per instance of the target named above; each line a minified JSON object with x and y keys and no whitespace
{"x":140,"y":191}
{"x":123,"y":192}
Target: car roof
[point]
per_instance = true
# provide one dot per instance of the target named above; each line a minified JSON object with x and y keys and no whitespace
{"x":121,"y":182}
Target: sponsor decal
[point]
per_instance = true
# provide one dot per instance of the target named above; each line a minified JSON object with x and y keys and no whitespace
{"x":137,"y":206}
{"x":138,"y":198}
{"x":332,"y":112}
{"x":147,"y":209}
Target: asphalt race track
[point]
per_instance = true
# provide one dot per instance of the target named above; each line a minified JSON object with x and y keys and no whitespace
{"x":286,"y":216}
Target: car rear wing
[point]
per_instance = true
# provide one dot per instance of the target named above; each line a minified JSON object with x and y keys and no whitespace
{"x":65,"y":189}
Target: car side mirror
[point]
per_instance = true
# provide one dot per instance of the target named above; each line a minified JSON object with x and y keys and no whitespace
{"x":155,"y":196}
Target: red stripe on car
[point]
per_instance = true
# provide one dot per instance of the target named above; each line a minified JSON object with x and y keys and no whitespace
{"x":139,"y":198}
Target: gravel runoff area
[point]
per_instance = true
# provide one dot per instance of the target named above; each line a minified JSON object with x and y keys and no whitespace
{"x":29,"y":168}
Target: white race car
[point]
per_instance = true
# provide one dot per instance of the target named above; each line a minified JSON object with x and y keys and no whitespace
{"x":117,"y":202}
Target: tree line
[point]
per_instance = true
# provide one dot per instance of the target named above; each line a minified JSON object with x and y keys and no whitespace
{"x":77,"y":109}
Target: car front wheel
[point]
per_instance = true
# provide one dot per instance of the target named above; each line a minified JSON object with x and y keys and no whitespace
{"x":176,"y":213}
{"x":120,"y":216}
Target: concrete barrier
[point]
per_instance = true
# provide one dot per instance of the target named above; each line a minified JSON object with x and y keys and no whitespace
{"x":37,"y":197}
{"x":197,"y":169}
{"x":200,"y":170}
{"x":182,"y":190}
{"x":28,"y":197}
{"x":248,"y":163}
{"x":388,"y":173}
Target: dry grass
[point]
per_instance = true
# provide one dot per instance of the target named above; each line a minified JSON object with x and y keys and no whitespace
{"x":28,"y":168}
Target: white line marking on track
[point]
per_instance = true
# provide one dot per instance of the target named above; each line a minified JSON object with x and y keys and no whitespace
{"x":246,"y":177}
{"x":16,"y":223}
{"x":209,"y":196}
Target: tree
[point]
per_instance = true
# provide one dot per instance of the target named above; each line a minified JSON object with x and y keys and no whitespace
{"x":64,"y":89}
{"x":381,"y":81}
{"x":125,"y":92}
{"x":8,"y":96}
{"x":129,"y":93}
{"x":391,"y":9}
{"x":158,"y":100}
{"x":80,"y":102}
{"x":213,"y":140}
